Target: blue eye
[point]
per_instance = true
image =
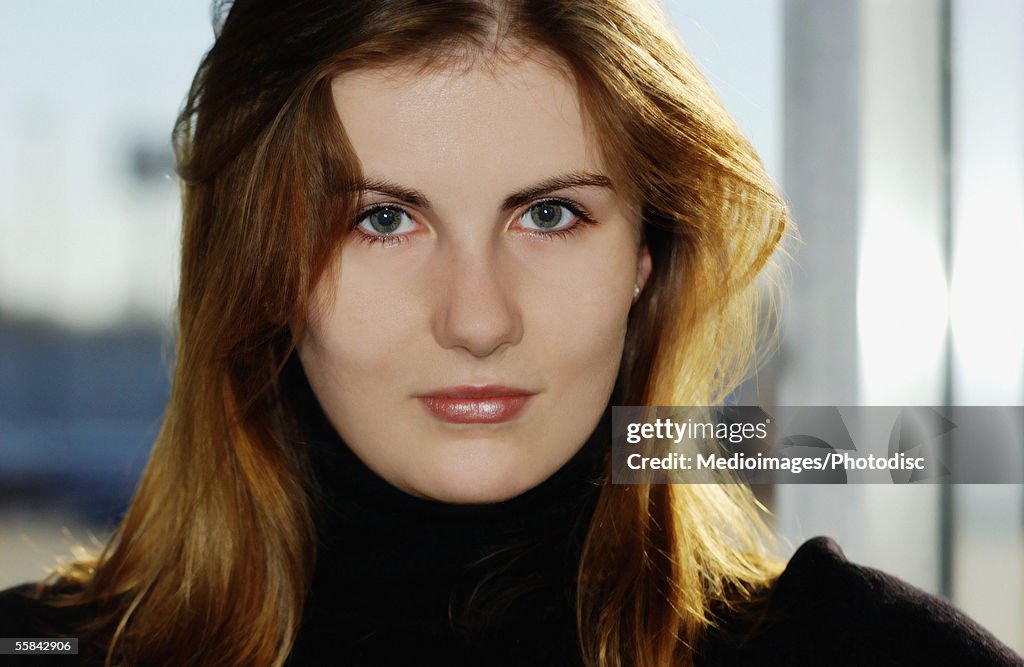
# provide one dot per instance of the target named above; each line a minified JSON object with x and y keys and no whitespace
{"x":548,"y":216}
{"x":385,"y":221}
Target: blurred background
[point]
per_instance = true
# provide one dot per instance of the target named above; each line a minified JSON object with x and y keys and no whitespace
{"x":896,"y":130}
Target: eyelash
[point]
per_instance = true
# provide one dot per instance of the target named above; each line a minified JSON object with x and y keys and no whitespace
{"x":583,"y":219}
{"x":378,"y":239}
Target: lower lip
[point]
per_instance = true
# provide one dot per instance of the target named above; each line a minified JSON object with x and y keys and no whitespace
{"x":492,"y":410}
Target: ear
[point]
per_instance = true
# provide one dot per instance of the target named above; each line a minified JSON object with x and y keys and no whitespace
{"x":643,"y":266}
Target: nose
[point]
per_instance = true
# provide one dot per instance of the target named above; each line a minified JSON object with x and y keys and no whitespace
{"x":476,"y":308}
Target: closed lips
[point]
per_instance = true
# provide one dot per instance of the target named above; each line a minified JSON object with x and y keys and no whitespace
{"x":476,"y":405}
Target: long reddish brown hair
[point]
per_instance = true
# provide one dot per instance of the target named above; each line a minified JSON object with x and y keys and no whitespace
{"x":212,"y":562}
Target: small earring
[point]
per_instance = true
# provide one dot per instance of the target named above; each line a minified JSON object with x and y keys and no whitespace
{"x":636,"y":292}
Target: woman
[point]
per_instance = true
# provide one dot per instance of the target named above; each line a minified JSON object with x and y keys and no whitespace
{"x":426,"y":246}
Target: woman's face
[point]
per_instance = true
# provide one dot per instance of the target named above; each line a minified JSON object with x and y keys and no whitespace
{"x":469,"y":338}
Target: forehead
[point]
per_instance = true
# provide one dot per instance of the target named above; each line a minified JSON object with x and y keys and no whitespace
{"x":507,"y":119}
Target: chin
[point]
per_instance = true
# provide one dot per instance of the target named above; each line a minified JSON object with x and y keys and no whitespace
{"x":482,"y":482}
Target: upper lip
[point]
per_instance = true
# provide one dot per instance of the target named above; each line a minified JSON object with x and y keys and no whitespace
{"x":478,"y":391}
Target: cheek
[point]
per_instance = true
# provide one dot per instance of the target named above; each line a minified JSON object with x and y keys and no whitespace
{"x":360,"y":352}
{"x":578,"y":313}
{"x":364,"y":324}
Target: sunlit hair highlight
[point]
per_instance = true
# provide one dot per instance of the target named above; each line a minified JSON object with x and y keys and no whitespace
{"x":218,"y":545}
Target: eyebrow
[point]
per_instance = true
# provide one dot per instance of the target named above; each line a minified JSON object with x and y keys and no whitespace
{"x":576,"y":179}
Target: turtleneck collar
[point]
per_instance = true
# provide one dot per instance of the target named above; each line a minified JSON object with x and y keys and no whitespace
{"x":452,"y":580}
